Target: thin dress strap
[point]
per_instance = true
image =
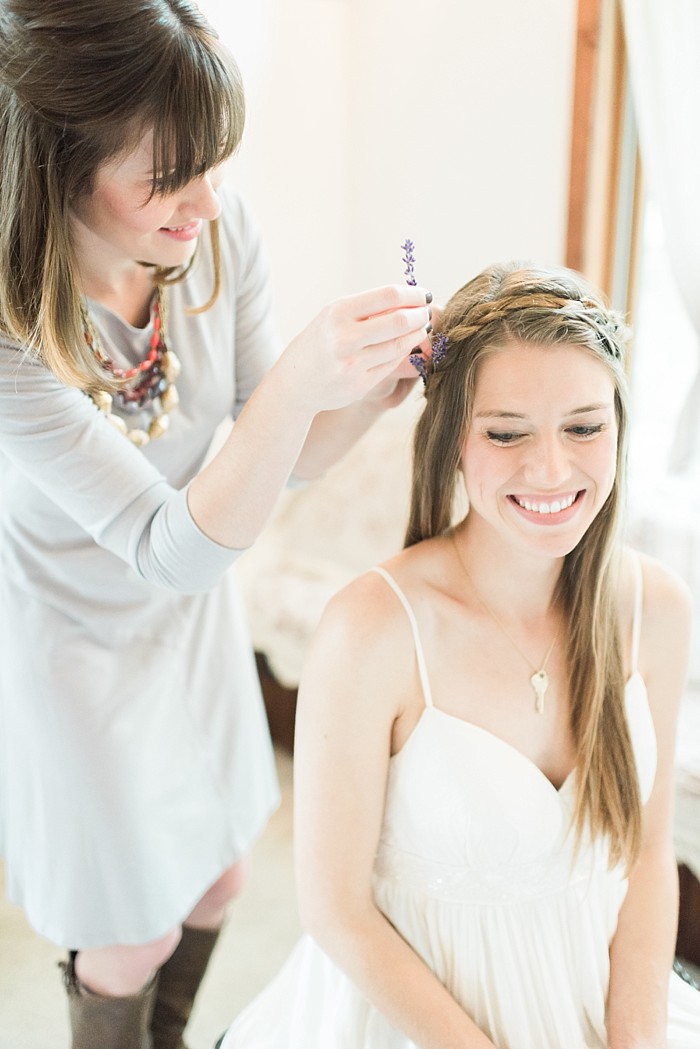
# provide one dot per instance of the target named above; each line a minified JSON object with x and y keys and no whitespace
{"x":422,"y":670}
{"x":637,"y":618}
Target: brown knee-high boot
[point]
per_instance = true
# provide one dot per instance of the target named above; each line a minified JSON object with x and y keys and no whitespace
{"x":178,"y":983}
{"x":101,"y":1022}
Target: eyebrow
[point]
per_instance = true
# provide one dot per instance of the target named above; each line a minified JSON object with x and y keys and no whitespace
{"x":499,"y":414}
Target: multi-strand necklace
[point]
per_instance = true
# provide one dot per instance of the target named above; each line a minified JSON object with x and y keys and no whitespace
{"x":539,"y":678}
{"x":150,"y":384}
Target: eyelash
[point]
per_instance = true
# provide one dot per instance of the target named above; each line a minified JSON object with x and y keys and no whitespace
{"x":509,"y":437}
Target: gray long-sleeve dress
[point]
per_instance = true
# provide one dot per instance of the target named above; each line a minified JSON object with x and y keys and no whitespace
{"x":135,"y":760}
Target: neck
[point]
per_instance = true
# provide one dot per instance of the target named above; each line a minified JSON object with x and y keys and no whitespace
{"x":123,"y":285}
{"x":129,"y":298}
{"x":516,"y":584}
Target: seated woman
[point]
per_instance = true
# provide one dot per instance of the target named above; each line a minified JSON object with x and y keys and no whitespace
{"x":485,"y":737}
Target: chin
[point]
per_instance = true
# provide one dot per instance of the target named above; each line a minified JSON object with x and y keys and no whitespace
{"x":168,"y":263}
{"x":561,"y":546}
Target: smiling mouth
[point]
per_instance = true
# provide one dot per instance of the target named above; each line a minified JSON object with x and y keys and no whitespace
{"x":553,"y":507}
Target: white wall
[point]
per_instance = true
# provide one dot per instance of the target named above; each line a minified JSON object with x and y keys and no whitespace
{"x":373,"y":120}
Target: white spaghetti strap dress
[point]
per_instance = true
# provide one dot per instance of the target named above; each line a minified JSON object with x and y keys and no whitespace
{"x":474,"y":869}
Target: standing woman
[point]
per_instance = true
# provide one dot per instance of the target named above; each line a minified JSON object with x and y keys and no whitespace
{"x":134,"y":317}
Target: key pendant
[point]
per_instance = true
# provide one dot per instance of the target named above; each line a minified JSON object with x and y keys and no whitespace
{"x":539,"y":682}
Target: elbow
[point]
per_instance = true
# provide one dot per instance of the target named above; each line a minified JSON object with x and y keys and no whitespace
{"x":175,"y":555}
{"x":185,"y":578}
{"x":338,"y":928}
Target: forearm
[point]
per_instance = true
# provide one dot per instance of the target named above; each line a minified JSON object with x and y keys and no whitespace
{"x":234,"y":495}
{"x":641,"y":955}
{"x":390,"y":974}
{"x":331,"y":435}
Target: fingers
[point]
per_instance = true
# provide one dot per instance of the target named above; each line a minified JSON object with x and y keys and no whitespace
{"x":395,"y":329}
{"x":356,"y":342}
{"x":390,"y":352}
{"x":386,"y":339}
{"x":425,"y":345}
{"x":386,"y":299}
{"x":438,"y":312}
{"x":405,"y":370}
{"x":385,"y":378}
{"x":395,"y":313}
{"x":395,"y":326}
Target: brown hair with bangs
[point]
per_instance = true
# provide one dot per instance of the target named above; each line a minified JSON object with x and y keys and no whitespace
{"x":80,"y":82}
{"x":503,"y":305}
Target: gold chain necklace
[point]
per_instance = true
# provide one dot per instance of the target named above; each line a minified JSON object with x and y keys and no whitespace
{"x":539,"y":678}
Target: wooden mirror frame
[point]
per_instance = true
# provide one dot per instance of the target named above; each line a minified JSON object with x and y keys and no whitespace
{"x":605,"y":181}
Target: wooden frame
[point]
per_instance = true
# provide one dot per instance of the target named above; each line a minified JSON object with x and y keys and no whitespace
{"x":605,"y":185}
{"x":587,"y":45}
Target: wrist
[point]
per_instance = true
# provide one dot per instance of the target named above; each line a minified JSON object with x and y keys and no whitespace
{"x":281,"y":389}
{"x":631,"y":1040}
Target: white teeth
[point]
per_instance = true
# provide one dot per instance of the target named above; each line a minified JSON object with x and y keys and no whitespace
{"x":547,"y":508}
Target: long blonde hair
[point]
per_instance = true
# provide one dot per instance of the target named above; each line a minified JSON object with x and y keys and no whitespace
{"x":547,"y":308}
{"x":80,"y":82}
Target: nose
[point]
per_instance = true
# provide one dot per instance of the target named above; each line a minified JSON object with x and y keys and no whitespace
{"x":203,"y":198}
{"x":548,"y":465}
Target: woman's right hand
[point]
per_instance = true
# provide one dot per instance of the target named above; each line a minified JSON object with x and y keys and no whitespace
{"x":353,"y":344}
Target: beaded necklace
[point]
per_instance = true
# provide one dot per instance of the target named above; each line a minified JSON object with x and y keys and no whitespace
{"x":149,"y":384}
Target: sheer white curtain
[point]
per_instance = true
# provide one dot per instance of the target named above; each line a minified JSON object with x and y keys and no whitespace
{"x":663,"y":41}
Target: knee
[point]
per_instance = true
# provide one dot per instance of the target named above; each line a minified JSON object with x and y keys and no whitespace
{"x":228,"y":886}
{"x":211,"y":909}
{"x":120,"y":970}
{"x":150,"y":956}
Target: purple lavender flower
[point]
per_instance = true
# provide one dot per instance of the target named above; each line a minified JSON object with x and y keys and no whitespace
{"x":420,"y":364}
{"x":409,"y":259}
{"x":439,"y":344}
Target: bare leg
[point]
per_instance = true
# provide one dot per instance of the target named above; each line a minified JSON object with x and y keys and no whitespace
{"x":182,"y":973}
{"x":119,"y":971}
{"x":111,"y":994}
{"x":211,"y":909}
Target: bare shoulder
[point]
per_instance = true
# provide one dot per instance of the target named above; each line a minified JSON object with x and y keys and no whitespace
{"x":364,"y":641}
{"x":370,"y":611}
{"x":665,"y":619}
{"x":365,"y":615}
{"x":666,"y":594}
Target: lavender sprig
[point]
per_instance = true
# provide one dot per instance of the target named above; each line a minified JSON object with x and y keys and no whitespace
{"x":417,"y":359}
{"x":409,"y":259}
{"x":420,"y":364}
{"x":439,"y":344}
